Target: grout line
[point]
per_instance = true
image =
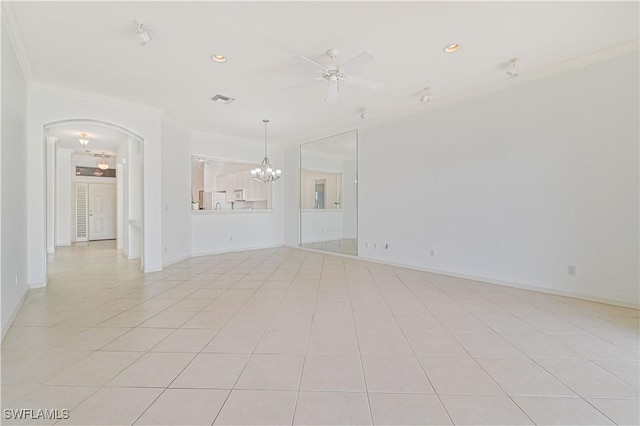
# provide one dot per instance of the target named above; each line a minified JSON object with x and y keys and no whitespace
{"x":304,"y":361}
{"x":364,"y":377}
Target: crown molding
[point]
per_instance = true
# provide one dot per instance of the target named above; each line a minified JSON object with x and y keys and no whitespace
{"x":524,"y":78}
{"x":9,"y":21}
{"x":94,"y":97}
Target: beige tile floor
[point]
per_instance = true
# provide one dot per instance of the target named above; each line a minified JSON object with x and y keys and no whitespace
{"x":348,"y":246}
{"x":287,"y":336}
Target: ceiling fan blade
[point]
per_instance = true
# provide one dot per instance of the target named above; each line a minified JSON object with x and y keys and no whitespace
{"x":363,"y":82}
{"x":320,"y":68}
{"x":303,"y":82}
{"x":358,"y":60}
{"x":332,"y":94}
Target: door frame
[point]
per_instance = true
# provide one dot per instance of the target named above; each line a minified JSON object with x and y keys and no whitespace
{"x":50,"y":181}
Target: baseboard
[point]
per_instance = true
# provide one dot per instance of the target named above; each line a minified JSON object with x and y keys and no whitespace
{"x":325,"y":240}
{"x":332,"y":253}
{"x":520,"y":286}
{"x":38,"y":285}
{"x":149,"y":270}
{"x":174,"y":261}
{"x":235,"y":250}
{"x":16,"y":309}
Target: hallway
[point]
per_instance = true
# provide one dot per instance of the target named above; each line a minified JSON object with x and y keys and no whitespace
{"x":287,"y":336}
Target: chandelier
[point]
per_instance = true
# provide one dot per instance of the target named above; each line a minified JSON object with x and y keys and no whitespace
{"x":83,"y":139}
{"x":103,"y":165}
{"x":265,"y":173}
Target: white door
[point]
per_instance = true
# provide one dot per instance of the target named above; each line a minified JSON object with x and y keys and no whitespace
{"x":102,"y":212}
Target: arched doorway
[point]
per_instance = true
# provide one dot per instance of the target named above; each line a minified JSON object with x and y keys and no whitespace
{"x":68,"y":220}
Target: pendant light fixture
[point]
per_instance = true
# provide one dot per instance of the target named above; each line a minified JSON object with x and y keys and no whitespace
{"x":265,"y":173}
{"x":103,"y":165}
{"x":83,"y":139}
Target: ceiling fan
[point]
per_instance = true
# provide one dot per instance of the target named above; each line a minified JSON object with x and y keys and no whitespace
{"x":336,"y":75}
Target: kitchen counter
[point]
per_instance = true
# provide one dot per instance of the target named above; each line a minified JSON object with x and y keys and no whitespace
{"x":237,"y":211}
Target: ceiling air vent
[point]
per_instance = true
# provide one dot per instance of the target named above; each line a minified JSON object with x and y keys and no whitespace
{"x":222,"y":99}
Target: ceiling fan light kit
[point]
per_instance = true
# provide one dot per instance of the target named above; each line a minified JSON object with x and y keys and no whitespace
{"x":336,"y":75}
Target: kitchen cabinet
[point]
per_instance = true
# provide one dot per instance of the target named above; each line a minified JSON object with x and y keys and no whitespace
{"x":256,"y":191}
{"x":253,"y":190}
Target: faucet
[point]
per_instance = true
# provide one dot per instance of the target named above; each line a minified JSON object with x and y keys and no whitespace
{"x":218,"y":206}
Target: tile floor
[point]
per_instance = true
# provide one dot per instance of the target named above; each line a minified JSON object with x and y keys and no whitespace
{"x":348,"y":246}
{"x":287,"y":336}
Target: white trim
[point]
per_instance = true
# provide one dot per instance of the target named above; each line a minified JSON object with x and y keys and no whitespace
{"x":94,"y":97}
{"x":147,"y":271}
{"x":326,"y":240}
{"x":235,"y":250}
{"x":174,"y":261}
{"x":523,"y":78}
{"x":41,"y":284}
{"x":544,"y":290}
{"x":9,"y":18}
{"x":16,"y":309}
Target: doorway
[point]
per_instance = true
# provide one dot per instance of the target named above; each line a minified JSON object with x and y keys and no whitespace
{"x":95,"y":189}
{"x":95,"y":212}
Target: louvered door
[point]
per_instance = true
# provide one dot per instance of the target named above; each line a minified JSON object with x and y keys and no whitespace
{"x":82,"y":203}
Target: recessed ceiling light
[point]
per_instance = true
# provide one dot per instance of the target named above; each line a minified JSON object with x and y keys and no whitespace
{"x":451,"y":48}
{"x":219,"y":58}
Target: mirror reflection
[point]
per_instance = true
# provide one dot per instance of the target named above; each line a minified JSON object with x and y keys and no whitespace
{"x":328,"y":194}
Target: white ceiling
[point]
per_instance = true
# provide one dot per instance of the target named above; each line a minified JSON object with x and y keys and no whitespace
{"x":92,"y":46}
{"x":101,"y":139}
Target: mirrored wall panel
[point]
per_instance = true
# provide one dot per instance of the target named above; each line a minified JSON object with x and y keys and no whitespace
{"x":329,"y":194}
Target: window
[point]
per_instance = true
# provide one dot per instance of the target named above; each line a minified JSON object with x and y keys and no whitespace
{"x":226,"y":185}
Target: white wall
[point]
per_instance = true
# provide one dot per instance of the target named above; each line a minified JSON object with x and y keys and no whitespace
{"x":291,"y":187}
{"x":122,"y":180}
{"x":210,"y":232}
{"x":47,"y":105}
{"x":176,"y":199}
{"x":13,"y":184}
{"x":514,"y":186}
{"x":63,"y":196}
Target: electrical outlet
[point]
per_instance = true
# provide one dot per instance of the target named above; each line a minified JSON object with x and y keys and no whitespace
{"x":571,"y":269}
{"x":230,"y":238}
{"x":386,"y":246}
{"x":165,"y":249}
{"x":366,"y":245}
{"x":432,"y":253}
{"x":375,"y":245}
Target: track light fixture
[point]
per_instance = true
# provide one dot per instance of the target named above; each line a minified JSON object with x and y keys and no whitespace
{"x":425,"y":96}
{"x":513,"y":68}
{"x":142,"y":32}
